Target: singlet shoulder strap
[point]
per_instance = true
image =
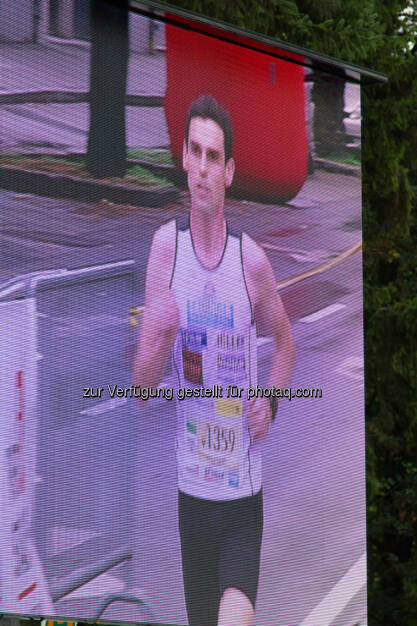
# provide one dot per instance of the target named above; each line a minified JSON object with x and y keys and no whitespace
{"x":183,"y":222}
{"x":175,"y":254}
{"x":234,"y":232}
{"x":244,"y":277}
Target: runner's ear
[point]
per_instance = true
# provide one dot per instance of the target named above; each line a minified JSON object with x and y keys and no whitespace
{"x":230,"y":172}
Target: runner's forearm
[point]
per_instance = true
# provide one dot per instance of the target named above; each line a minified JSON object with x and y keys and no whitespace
{"x":282,"y":362}
{"x":152,"y":356}
{"x":157,"y":336}
{"x":148,"y":372}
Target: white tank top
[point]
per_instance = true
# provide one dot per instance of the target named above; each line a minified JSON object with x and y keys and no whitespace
{"x":215,"y":348}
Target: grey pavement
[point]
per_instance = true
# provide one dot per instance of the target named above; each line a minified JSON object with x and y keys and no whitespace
{"x":63,"y":127}
{"x":27,"y":67}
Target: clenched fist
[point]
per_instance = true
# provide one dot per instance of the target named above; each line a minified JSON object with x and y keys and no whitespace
{"x":259,"y":417}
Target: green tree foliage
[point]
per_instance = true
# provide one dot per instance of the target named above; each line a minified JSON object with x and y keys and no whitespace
{"x":390,"y":234}
{"x":381,"y":35}
{"x":347,"y":29}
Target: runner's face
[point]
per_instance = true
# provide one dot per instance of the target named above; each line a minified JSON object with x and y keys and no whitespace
{"x":204,"y":162}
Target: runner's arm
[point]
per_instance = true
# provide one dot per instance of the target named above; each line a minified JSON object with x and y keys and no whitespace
{"x":160,"y":320}
{"x":272,"y":320}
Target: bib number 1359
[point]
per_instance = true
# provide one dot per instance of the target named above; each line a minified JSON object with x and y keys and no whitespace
{"x":218,"y":441}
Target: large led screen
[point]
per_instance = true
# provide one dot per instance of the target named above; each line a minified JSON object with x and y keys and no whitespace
{"x":181,"y":380}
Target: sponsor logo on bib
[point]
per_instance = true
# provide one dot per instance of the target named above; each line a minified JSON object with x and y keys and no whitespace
{"x":193,"y":340}
{"x":213,"y":475}
{"x":231,"y":363}
{"x":229,"y":408}
{"x":230,"y":341}
{"x":191,"y":427}
{"x":193,"y":367}
{"x":233,"y":479}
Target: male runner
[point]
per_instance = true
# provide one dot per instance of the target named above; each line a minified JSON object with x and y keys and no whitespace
{"x":208,"y":294}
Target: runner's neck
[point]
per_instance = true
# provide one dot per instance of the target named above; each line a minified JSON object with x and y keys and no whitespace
{"x":209,"y":234}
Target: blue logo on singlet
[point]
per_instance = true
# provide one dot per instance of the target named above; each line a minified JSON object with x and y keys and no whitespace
{"x":191,"y":427}
{"x":193,"y":340}
{"x":208,"y":311}
{"x":233,"y":479}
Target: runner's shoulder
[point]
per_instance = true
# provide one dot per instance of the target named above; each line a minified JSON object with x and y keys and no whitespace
{"x":163,"y":243}
{"x":254,"y":258}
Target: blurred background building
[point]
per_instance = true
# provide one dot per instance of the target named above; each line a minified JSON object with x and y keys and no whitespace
{"x":38,"y":21}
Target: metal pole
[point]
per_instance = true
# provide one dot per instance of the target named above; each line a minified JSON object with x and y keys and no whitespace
{"x":36,"y":20}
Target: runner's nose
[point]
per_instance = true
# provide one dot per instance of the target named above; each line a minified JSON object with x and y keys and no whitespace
{"x":203,"y":163}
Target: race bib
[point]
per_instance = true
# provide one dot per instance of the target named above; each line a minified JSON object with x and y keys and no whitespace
{"x":219,"y":443}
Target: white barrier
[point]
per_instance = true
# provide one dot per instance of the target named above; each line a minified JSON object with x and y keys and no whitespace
{"x":23,"y":588}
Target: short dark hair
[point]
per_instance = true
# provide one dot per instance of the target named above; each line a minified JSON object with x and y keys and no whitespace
{"x":208,"y":107}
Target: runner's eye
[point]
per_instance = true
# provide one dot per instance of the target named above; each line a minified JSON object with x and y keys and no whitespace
{"x":213,"y":156}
